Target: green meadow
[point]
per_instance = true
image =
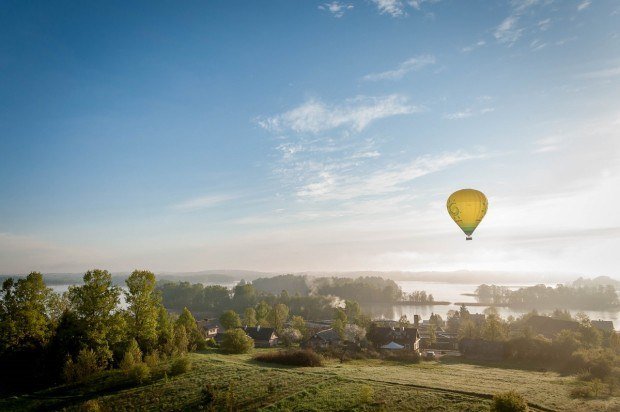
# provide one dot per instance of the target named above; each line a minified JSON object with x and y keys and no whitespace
{"x":236,"y":382}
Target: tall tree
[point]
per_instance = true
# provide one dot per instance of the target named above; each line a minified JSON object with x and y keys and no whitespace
{"x":278,"y":316}
{"x":493,"y":329}
{"x":143,"y":303}
{"x":353,"y":310}
{"x":96,"y":303}
{"x":262,"y":313}
{"x":230,"y":319}
{"x":249,"y":317}
{"x":165,"y":331}
{"x":25,"y":312}
{"x":195,"y":338}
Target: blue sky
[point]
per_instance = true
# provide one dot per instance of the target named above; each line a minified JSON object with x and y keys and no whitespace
{"x":303,"y":135}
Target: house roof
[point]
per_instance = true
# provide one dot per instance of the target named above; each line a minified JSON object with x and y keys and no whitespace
{"x":382,"y":335}
{"x":392,"y":345}
{"x":209,"y":324}
{"x":328,"y":335}
{"x":549,"y":327}
{"x":259,"y":333}
{"x":606,"y":325}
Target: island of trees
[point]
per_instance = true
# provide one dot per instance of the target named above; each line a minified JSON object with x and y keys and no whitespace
{"x":600,"y":297}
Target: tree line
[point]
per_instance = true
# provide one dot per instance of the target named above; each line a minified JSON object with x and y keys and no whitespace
{"x":583,"y":297}
{"x":47,"y":337}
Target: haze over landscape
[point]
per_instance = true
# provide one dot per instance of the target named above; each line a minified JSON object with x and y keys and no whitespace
{"x":269,"y":205}
{"x":308,"y":136}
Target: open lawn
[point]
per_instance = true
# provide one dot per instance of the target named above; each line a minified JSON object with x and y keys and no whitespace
{"x":238,"y":383}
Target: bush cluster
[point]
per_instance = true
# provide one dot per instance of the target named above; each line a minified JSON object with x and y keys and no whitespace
{"x":291,"y":357}
{"x":510,"y":401}
{"x":180,"y":365}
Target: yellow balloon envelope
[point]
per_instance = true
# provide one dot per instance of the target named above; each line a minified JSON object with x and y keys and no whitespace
{"x":467,"y":207}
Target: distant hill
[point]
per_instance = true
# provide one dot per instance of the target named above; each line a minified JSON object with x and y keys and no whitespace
{"x":597,"y":281}
{"x":224,"y":276}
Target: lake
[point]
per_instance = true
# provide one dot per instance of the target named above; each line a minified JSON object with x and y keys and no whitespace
{"x":451,"y":292}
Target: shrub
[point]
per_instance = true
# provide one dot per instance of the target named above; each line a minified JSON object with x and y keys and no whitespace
{"x":291,"y":357}
{"x":236,"y":341}
{"x":210,"y":343}
{"x":508,"y":402}
{"x":290,"y":336}
{"x":582,"y":391}
{"x":86,"y":365}
{"x":403,"y":356}
{"x":152,"y":359}
{"x":132,"y":356}
{"x":366,"y":394}
{"x":180,"y":365}
{"x":91,"y":405}
{"x":208,"y":395}
{"x":139,"y":372}
{"x":598,"y":362}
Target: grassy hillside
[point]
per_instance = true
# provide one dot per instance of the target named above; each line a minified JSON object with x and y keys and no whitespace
{"x":239,"y":382}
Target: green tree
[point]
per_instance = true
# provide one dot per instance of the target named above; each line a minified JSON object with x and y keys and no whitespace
{"x":290,"y":336}
{"x":249,"y":317}
{"x":262,"y":313}
{"x":278,"y":316}
{"x":591,"y":337}
{"x":236,"y":341}
{"x":432,"y":334}
{"x":403,"y":322}
{"x":468,"y":330}
{"x":463,"y":312}
{"x":25,"y":312}
{"x":339,"y":327}
{"x":96,"y":305}
{"x":165,"y":331}
{"x":194,"y":337}
{"x":297,"y":322}
{"x":230,"y":319}
{"x":143,"y":304}
{"x":352,"y":310}
{"x":132,"y":356}
{"x":493,"y":329}
{"x":435,"y":319}
{"x":181,"y":341}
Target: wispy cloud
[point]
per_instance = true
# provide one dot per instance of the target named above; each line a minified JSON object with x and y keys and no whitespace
{"x":602,"y":74}
{"x":355,"y":114}
{"x":412,"y":64}
{"x":474,"y":46}
{"x":344,"y":186}
{"x":584,"y":5}
{"x":537,"y":44}
{"x":394,"y":8}
{"x":336,"y":8}
{"x":544,"y":25}
{"x":397,"y":8}
{"x":202,"y":202}
{"x":547,"y":144}
{"x":508,"y":30}
{"x":469,"y":112}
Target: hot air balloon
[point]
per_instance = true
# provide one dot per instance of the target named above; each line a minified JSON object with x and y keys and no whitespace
{"x":467,"y":207}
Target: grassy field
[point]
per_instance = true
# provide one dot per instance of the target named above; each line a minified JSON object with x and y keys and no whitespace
{"x":239,"y":383}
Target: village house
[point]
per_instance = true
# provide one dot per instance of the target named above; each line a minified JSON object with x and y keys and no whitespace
{"x":550,"y":327}
{"x":395,"y":338}
{"x":263,"y":337}
{"x":603,"y":325}
{"x":330,"y":337}
{"x":210,"y":327}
